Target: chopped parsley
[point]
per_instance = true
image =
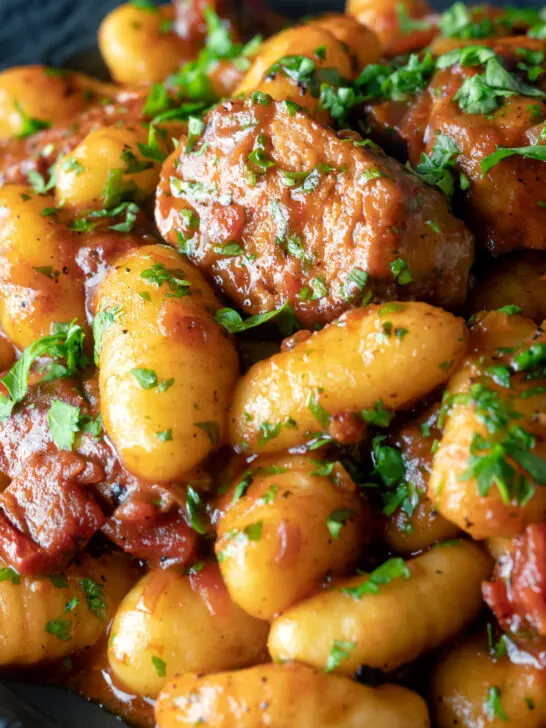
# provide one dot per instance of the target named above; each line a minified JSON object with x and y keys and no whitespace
{"x":268,"y":432}
{"x":492,"y":705}
{"x":29,"y":125}
{"x":401,"y":272}
{"x":392,"y":569}
{"x":71,"y":605}
{"x":436,"y":170}
{"x":196,"y":127}
{"x":536,"y":151}
{"x":60,"y":628}
{"x":210,"y":428}
{"x":193,"y":79}
{"x":102,"y":321}
{"x":372,"y":173}
{"x":9,"y":574}
{"x":243,"y":485}
{"x":341,"y":650}
{"x":64,"y":423}
{"x":399,"y":81}
{"x":147,"y":378}
{"x":336,"y":520}
{"x":157,"y":275}
{"x":506,"y":440}
{"x":258,"y":159}
{"x":196,"y":511}
{"x":321,"y":415}
{"x":229,"y":250}
{"x":510,"y":309}
{"x":408,"y":25}
{"x":65,"y":344}
{"x":481,"y":93}
{"x":459,"y":21}
{"x":379,"y":416}
{"x":159,"y":665}
{"x":234,"y":322}
{"x":94,"y":596}
{"x":390,"y":471}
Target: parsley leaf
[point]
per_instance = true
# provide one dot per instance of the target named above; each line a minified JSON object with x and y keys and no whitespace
{"x":157,"y":275}
{"x":399,"y":81}
{"x":29,"y":125}
{"x":66,"y":343}
{"x":196,"y":511}
{"x":103,"y":319}
{"x":63,"y":420}
{"x":9,"y":574}
{"x":401,"y":272}
{"x":436,"y":169}
{"x":341,"y":650}
{"x":159,"y":665}
{"x":493,"y":706}
{"x":537,"y":151}
{"x":147,"y":378}
{"x":392,"y":569}
{"x":94,"y":596}
{"x":379,"y":415}
{"x":458,"y":22}
{"x":336,"y":520}
{"x":60,"y":628}
{"x":408,"y":25}
{"x":234,"y":322}
{"x":212,"y":429}
{"x":321,"y":415}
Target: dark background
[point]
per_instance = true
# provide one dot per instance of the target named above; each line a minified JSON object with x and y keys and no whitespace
{"x":53,"y":31}
{"x":58,"y":32}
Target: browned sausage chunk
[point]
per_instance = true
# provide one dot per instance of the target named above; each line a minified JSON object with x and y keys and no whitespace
{"x":275,"y":207}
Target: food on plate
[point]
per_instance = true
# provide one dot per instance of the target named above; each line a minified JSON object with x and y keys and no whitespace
{"x":273,"y":368}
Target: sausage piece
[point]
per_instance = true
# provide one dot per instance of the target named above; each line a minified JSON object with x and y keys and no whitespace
{"x":274,"y":207}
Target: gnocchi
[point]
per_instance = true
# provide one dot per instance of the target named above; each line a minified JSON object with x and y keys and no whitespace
{"x":171,"y":623}
{"x":288,"y":697}
{"x":290,"y":398}
{"x":426,"y":600}
{"x":298,"y":521}
{"x":164,"y":357}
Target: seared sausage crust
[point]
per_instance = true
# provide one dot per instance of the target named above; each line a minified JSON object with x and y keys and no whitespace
{"x":274,"y":207}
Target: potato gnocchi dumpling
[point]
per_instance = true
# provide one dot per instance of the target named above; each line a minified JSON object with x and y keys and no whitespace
{"x":40,"y":282}
{"x":289,"y":696}
{"x":167,"y":369}
{"x":400,"y":27}
{"x":288,"y":525}
{"x":487,"y":472}
{"x":83,"y":175}
{"x":472,"y":688}
{"x":424,"y":602}
{"x":183,"y":623}
{"x":139,"y":44}
{"x":394,"y":353}
{"x":519,"y":278}
{"x":36,"y":97}
{"x":271,"y":74}
{"x":46,"y":619}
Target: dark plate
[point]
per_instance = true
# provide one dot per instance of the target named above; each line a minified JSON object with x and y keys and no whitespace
{"x":57,"y":33}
